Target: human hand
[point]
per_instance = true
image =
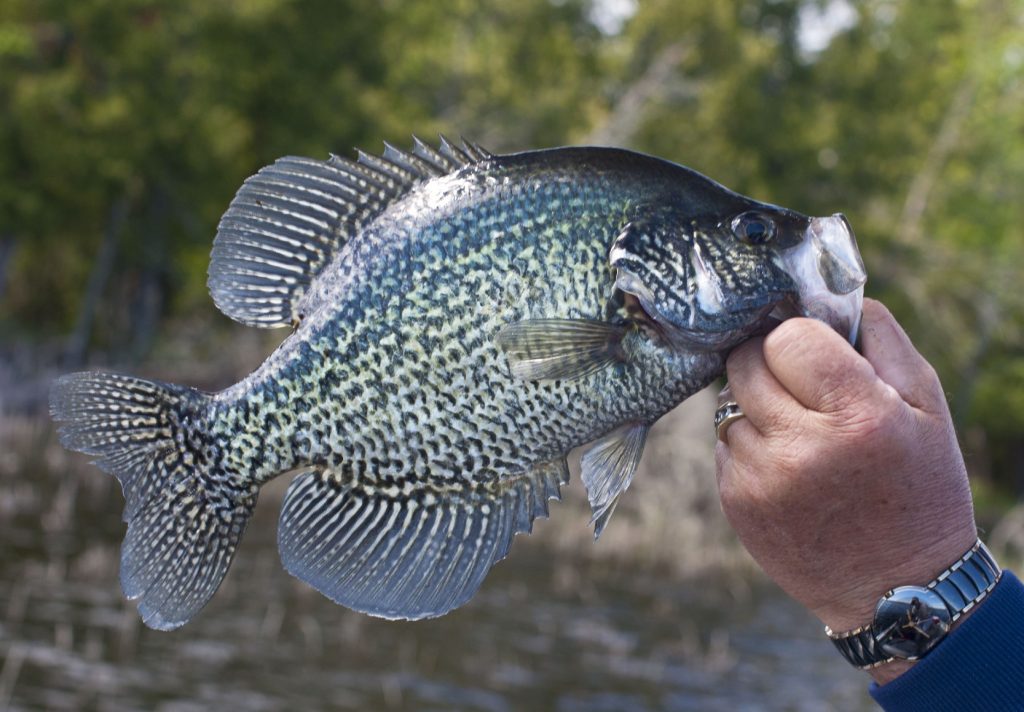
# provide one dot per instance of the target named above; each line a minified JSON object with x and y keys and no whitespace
{"x":845,"y":478}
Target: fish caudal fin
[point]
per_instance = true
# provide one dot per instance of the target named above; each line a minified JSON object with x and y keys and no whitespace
{"x":185,"y":516}
{"x":406,"y":555}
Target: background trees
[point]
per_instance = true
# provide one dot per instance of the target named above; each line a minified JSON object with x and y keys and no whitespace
{"x":128,"y":125}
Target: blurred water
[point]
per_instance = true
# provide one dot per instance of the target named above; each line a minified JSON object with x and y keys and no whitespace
{"x":542,"y":634}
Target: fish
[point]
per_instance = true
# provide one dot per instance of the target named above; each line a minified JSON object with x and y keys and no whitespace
{"x":460,"y":321}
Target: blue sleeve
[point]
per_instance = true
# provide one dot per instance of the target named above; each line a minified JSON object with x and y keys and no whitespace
{"x":980,"y":666}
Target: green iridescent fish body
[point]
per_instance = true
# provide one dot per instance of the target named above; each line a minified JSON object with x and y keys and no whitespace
{"x":462,"y":321}
{"x":395,"y":373}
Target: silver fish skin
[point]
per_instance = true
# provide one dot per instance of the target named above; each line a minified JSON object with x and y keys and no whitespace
{"x":462,"y":320}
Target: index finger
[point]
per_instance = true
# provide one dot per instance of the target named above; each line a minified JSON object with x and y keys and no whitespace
{"x":764,"y":401}
{"x":817,"y":366}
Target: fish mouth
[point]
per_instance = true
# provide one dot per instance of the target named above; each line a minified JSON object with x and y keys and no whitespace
{"x":829,"y":274}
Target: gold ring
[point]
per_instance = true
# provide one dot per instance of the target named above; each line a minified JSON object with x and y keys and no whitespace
{"x":727,"y":414}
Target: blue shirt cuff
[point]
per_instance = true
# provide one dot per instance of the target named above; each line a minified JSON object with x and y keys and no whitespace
{"x":980,"y":665}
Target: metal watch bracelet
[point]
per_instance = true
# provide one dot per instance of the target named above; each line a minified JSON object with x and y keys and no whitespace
{"x":910,"y":620}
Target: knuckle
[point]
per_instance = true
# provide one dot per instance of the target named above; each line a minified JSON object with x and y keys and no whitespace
{"x":833,"y":397}
{"x":871,"y":418}
{"x":843,"y":389}
{"x":788,"y":336}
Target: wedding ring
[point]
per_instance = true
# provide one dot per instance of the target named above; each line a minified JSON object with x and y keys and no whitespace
{"x":727,"y":414}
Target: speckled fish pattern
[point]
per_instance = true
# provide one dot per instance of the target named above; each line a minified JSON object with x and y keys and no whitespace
{"x":458,"y":328}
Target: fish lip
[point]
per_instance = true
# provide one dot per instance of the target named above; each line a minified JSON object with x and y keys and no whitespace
{"x":829,"y":273}
{"x":840,"y":263}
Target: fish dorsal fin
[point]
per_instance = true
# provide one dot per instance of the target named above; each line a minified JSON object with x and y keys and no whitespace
{"x":290,"y":219}
{"x":551,"y":349}
{"x":608,"y":468}
{"x":411,"y":552}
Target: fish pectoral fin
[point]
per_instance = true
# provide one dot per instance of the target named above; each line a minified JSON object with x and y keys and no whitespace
{"x":407,"y":551}
{"x":608,"y":468}
{"x":552,"y":349}
{"x":287,"y":222}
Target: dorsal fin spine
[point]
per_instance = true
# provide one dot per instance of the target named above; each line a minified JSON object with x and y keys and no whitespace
{"x":365,"y":175}
{"x":410,"y":162}
{"x":386,"y":168}
{"x":475,"y":151}
{"x":440,"y":162}
{"x":454,"y":152}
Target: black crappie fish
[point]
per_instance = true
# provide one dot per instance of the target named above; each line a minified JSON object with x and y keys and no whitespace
{"x":462,"y":321}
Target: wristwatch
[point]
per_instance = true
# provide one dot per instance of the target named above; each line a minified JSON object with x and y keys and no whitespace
{"x":911,"y":620}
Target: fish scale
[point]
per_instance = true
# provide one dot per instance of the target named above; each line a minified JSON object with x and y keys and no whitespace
{"x":461,"y":322}
{"x":375,"y":356}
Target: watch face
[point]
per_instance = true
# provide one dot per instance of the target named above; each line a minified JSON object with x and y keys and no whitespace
{"x":909,"y":621}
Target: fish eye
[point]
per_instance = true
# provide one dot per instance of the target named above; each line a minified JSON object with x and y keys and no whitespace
{"x":753,"y":227}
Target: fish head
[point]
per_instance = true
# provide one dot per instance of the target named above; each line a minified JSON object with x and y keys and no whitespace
{"x":710,"y":283}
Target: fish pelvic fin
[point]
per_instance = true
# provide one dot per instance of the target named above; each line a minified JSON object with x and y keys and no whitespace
{"x":287,"y":222}
{"x":407,"y":553}
{"x":552,"y":349}
{"x":185,"y":513}
{"x":608,"y":468}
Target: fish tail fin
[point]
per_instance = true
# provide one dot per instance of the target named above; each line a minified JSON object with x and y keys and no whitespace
{"x":185,"y":511}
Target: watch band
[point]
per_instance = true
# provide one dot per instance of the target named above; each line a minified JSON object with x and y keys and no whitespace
{"x":957,"y":590}
{"x":859,"y":647}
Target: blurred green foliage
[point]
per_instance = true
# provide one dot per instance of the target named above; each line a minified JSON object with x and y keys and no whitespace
{"x":128,"y":125}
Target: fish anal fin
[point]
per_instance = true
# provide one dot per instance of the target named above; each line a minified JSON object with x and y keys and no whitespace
{"x":608,"y":468}
{"x":407,"y":552}
{"x":289,"y":220}
{"x":550,"y":349}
